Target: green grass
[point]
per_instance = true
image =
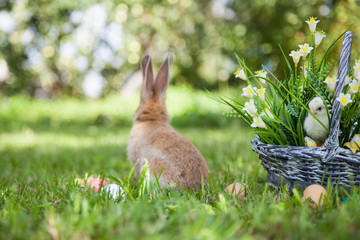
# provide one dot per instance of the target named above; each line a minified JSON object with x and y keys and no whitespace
{"x":45,"y":145}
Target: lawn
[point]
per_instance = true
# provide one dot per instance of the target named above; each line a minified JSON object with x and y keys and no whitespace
{"x":45,"y":146}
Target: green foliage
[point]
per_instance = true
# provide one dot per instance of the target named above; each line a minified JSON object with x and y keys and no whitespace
{"x":291,"y":109}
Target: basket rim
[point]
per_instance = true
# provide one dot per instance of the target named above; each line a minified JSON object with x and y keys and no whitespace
{"x":321,"y":148}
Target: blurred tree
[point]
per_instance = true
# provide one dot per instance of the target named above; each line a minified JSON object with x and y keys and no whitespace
{"x":91,"y":46}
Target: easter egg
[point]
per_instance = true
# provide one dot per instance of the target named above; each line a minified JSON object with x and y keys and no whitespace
{"x":236,"y":190}
{"x":114,"y":190}
{"x":96,"y":182}
{"x":316,"y":193}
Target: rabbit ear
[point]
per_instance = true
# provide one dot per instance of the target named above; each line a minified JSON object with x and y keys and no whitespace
{"x":148,"y":78}
{"x":162,"y":78}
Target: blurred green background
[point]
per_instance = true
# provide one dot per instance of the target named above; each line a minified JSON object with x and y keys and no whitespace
{"x":93,"y":47}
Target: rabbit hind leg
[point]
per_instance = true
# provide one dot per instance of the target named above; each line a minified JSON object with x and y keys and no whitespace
{"x":160,"y":171}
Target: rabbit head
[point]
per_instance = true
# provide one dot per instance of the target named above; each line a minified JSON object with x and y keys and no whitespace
{"x":153,"y":93}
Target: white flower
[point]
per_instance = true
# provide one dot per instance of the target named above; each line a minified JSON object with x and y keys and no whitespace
{"x":357,"y":69}
{"x":240,"y":74}
{"x":357,"y":76}
{"x":344,"y":99}
{"x":309,"y":142}
{"x":354,"y":144}
{"x":261,"y":74}
{"x":319,"y":37}
{"x":354,"y":87}
{"x":312,"y":23}
{"x":331,"y":82}
{"x":305,"y":49}
{"x":347,"y":80}
{"x":295,"y":56}
{"x":250,"y":107}
{"x":261,"y":93}
{"x":267,"y":113}
{"x":248,"y":91}
{"x":258,"y":122}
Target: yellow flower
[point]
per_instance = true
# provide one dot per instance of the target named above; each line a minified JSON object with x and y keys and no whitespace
{"x":354,"y":144}
{"x":261,"y":74}
{"x":267,"y":113}
{"x":331,"y":82}
{"x":261,"y":93}
{"x":248,"y":91}
{"x":305,"y":49}
{"x":309,"y":142}
{"x":258,"y":122}
{"x":295,"y":56}
{"x":344,"y":99}
{"x":319,"y":37}
{"x":250,"y":107}
{"x":354,"y":87}
{"x":240,"y":74}
{"x":312,"y":22}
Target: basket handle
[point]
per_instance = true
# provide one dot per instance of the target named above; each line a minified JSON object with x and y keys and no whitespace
{"x":332,"y":143}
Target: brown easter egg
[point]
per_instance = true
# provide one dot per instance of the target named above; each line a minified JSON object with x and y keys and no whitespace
{"x":316,"y":193}
{"x":236,"y":190}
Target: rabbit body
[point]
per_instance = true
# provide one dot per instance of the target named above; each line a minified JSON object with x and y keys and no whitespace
{"x":152,"y":139}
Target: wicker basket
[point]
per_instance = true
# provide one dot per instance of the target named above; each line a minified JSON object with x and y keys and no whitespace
{"x":304,"y":166}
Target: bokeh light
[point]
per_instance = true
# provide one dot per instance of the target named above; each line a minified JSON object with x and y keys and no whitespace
{"x":66,"y":40}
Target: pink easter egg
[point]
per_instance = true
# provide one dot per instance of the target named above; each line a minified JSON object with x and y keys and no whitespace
{"x":96,"y":182}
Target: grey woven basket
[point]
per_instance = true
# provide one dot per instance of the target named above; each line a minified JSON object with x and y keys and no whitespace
{"x":303,"y":166}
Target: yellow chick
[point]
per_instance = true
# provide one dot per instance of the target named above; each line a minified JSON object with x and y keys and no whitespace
{"x":311,"y":126}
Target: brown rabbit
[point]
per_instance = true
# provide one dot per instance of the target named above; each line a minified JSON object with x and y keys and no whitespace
{"x":153,"y":139}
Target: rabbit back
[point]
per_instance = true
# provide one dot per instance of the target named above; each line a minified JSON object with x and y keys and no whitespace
{"x":169,"y":153}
